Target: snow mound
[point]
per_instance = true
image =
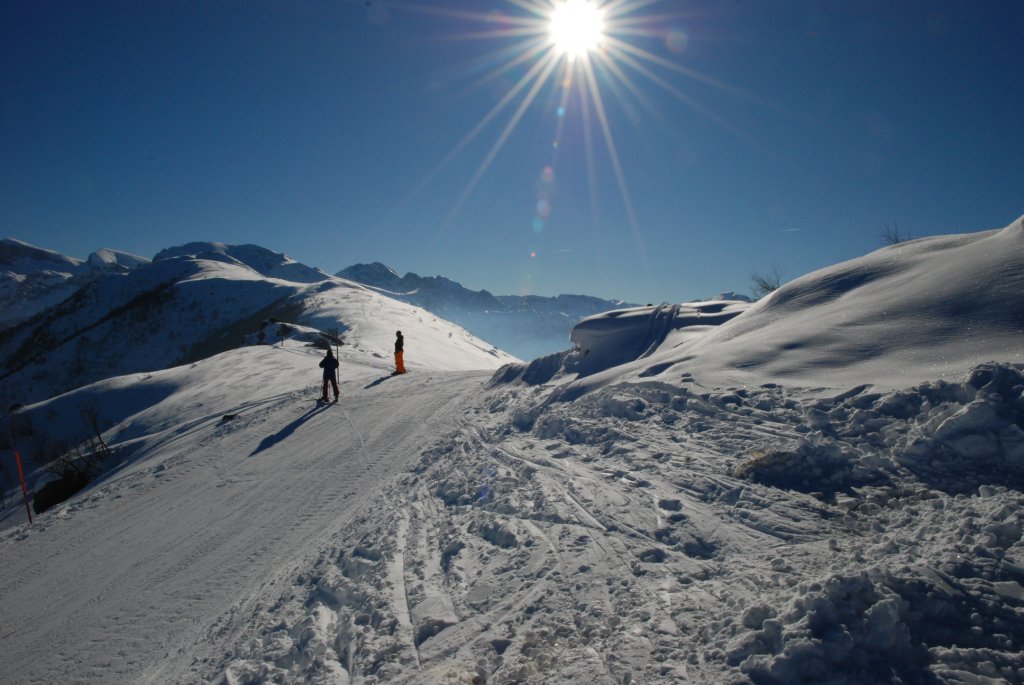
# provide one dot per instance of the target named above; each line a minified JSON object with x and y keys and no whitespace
{"x":927,"y":309}
{"x":274,"y":332}
{"x":625,"y":335}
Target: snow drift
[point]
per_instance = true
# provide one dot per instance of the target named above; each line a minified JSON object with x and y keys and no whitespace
{"x":927,"y":309}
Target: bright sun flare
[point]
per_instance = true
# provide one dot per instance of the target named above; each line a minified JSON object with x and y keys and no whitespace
{"x":584,"y":49}
{"x":576,"y":27}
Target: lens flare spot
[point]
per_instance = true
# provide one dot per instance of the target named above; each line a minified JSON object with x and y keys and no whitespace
{"x":676,"y":41}
{"x":533,"y":255}
{"x":538,"y":224}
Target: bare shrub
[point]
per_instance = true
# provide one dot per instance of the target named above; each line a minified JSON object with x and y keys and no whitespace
{"x":767,"y":281}
{"x":74,"y":465}
{"x":894,"y":235}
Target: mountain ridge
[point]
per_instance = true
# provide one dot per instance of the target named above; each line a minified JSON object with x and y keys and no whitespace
{"x":528,"y":326}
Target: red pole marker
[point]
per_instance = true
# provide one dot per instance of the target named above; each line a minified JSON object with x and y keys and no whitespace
{"x":24,"y":490}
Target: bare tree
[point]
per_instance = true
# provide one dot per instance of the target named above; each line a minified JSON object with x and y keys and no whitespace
{"x":75,"y":463}
{"x":767,"y":281}
{"x":894,"y":235}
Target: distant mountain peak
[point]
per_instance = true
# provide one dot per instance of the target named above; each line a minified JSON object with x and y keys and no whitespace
{"x":261,"y":260}
{"x":24,"y":257}
{"x":115,"y":260}
{"x":33,"y":278}
{"x":374,"y":274}
{"x":728,"y":297}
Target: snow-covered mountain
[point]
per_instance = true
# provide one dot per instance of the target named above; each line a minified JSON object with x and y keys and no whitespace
{"x":527,"y":326}
{"x":200,"y":299}
{"x":33,"y":278}
{"x":261,"y":260}
{"x":825,"y":486}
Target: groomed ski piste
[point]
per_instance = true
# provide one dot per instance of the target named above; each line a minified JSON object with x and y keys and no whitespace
{"x":822,"y":487}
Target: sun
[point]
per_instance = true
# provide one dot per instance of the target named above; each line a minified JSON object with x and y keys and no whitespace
{"x":576,"y":28}
{"x":579,"y":52}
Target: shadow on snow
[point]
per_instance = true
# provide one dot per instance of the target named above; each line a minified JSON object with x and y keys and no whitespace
{"x":280,"y":435}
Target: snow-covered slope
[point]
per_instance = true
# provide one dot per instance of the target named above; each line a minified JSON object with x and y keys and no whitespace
{"x":179,"y":309}
{"x":629,"y":513}
{"x":919,"y":310}
{"x":33,"y":279}
{"x":927,"y":309}
{"x":527,"y":326}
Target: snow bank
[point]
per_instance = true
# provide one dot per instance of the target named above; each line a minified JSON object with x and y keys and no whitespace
{"x":625,"y":335}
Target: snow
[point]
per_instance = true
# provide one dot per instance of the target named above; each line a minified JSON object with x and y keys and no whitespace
{"x":653,"y":507}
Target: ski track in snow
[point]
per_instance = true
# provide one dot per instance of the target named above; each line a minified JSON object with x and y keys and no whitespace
{"x":168,"y":574}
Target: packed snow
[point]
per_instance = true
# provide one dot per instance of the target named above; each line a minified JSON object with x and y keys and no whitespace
{"x":824,"y":486}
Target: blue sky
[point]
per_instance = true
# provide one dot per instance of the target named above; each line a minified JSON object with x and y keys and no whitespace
{"x":748,"y":134}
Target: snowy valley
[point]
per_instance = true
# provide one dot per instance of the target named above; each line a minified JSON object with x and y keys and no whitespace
{"x":824,"y":486}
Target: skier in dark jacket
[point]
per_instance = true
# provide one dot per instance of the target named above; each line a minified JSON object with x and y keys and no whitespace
{"x":399,"y":352}
{"x":330,"y":366}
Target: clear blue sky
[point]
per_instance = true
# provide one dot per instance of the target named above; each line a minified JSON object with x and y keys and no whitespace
{"x":748,"y":133}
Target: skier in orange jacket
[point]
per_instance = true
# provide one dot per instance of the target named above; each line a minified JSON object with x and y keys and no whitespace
{"x":399,"y":352}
